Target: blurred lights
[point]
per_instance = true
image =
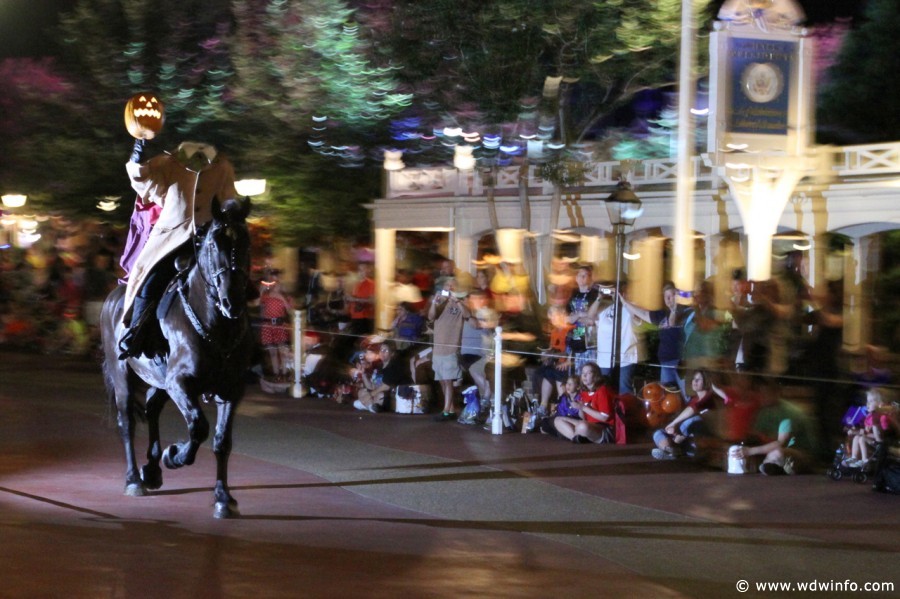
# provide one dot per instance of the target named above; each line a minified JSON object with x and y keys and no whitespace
{"x":14,"y":200}
{"x":108,"y":204}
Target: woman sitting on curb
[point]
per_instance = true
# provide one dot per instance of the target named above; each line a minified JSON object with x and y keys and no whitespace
{"x":596,"y":403}
{"x":689,"y":423}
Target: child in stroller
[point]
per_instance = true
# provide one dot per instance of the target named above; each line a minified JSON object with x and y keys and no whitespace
{"x":861,"y":440}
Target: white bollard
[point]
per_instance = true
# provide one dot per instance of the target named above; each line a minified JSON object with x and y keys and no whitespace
{"x":497,"y":420}
{"x":298,"y":390}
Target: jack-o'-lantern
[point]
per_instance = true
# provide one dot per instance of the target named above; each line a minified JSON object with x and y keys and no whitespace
{"x":144,"y":115}
{"x":671,"y":403}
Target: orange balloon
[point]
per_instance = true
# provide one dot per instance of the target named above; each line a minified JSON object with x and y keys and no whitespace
{"x":653,"y":394}
{"x":654,"y":419}
{"x":672,"y":403}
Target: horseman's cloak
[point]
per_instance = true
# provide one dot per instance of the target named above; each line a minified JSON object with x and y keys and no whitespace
{"x":185,"y":192}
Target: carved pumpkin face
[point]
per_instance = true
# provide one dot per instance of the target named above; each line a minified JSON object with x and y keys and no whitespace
{"x":144,"y":116}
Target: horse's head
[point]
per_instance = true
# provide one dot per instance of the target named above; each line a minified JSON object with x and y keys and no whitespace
{"x":224,"y":256}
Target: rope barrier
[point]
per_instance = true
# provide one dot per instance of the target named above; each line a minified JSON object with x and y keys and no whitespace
{"x":297,"y":331}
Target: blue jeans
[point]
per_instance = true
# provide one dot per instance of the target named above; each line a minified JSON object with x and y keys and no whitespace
{"x":691,"y":427}
{"x":668,"y":372}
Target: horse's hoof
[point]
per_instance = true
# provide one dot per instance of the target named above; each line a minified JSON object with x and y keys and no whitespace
{"x":135,"y":490}
{"x":225,"y":509}
{"x":152,"y":476}
{"x":168,"y":457}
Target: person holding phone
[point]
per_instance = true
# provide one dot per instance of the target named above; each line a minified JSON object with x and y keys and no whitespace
{"x":447,"y":313}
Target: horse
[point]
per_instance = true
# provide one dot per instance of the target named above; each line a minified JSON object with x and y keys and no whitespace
{"x":207,"y":331}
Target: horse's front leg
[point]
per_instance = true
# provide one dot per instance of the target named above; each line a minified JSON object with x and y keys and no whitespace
{"x":226,"y":506}
{"x":151,"y":473}
{"x":183,"y":454}
{"x":134,"y":487}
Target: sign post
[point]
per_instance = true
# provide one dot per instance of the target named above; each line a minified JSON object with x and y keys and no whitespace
{"x":761,"y":115}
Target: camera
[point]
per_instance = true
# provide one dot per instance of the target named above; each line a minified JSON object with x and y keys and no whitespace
{"x":445,"y":292}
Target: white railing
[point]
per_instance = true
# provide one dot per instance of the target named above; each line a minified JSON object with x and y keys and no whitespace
{"x":850,"y":161}
{"x":872,"y":159}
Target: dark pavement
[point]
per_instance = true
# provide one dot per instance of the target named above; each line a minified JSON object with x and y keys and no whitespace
{"x":339,"y":503}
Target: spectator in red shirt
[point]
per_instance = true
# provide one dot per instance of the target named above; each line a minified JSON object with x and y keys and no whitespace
{"x":689,"y":423}
{"x":596,"y":405}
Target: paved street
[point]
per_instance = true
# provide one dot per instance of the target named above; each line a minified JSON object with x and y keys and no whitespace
{"x":338,"y":503}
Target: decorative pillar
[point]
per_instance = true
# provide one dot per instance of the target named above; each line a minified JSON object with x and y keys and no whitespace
{"x":385,"y":267}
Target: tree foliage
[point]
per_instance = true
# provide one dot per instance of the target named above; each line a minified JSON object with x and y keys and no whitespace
{"x":859,"y":102}
{"x":518,"y":68}
{"x":272,"y":82}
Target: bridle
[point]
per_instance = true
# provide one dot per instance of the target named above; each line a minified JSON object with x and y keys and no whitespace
{"x":203,"y":242}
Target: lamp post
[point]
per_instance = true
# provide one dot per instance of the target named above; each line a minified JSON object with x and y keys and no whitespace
{"x":623,"y":207}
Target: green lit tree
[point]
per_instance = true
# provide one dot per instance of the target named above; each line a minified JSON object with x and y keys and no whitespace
{"x":274,"y":83}
{"x":304,"y":73}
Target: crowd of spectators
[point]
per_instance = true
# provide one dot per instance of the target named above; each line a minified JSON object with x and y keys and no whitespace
{"x":562,"y":353}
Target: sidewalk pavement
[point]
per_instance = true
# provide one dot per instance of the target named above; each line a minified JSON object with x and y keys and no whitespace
{"x":340,"y":503}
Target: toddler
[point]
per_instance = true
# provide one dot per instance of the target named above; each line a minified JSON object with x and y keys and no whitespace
{"x":565,"y":406}
{"x":861,"y":439}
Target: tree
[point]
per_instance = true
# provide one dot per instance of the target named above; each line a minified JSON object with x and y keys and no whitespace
{"x":50,"y":150}
{"x":858,"y":103}
{"x":503,"y":65}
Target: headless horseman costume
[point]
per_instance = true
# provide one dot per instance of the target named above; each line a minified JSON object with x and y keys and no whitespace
{"x":184,"y":184}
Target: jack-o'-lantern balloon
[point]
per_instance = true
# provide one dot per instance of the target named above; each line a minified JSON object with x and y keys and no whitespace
{"x":144,"y":115}
{"x":671,"y":403}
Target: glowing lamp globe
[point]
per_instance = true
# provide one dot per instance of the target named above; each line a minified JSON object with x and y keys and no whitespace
{"x":144,"y":116}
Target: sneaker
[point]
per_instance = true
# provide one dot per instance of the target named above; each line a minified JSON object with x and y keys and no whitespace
{"x":662,"y":454}
{"x":771,"y":469}
{"x":445,"y":417}
{"x":359,"y":406}
{"x":789,"y":466}
{"x":376,"y":408}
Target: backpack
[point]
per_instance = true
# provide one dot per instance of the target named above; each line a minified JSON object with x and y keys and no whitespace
{"x":887,"y":471}
{"x":621,"y":430}
{"x":514,"y":407}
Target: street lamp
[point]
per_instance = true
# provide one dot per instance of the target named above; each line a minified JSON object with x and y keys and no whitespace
{"x":250,"y":187}
{"x":14,"y":200}
{"x":11,"y":221}
{"x":623,"y":207}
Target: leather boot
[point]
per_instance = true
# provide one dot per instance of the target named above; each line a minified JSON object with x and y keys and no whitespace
{"x":130,"y":345}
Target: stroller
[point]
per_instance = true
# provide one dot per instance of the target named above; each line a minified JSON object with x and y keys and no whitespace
{"x":840,"y":470}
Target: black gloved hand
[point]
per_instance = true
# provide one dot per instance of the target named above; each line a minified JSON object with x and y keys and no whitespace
{"x":138,"y":150}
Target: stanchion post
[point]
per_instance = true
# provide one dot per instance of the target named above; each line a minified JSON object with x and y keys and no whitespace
{"x":497,"y":420}
{"x":298,"y":390}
